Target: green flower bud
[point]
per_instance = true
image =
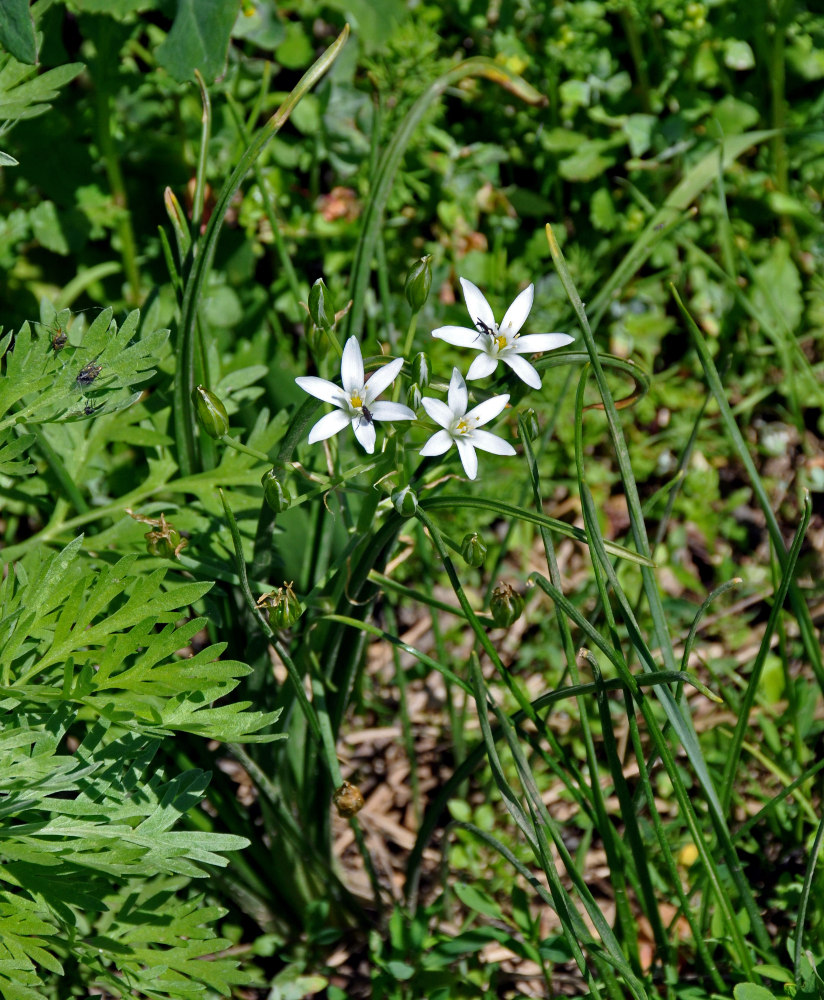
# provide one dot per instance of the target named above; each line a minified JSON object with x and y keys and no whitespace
{"x":283,"y":606}
{"x":421,"y":369}
{"x":275,"y":493}
{"x":165,"y":541}
{"x":211,"y":413}
{"x":405,"y":501}
{"x":473,"y":549}
{"x":320,"y":306}
{"x":506,"y":605}
{"x":533,"y":428}
{"x":418,"y":283}
{"x":413,"y":396}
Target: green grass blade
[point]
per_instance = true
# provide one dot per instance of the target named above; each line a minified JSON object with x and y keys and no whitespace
{"x":787,"y":570}
{"x":809,"y":638}
{"x":385,"y":176}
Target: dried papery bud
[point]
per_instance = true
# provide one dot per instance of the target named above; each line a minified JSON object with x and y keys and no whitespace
{"x":531,"y":425}
{"x":473,"y":549}
{"x":165,"y":541}
{"x":275,"y":493}
{"x":421,"y":369}
{"x":348,"y":799}
{"x":418,"y":283}
{"x":283,"y":606}
{"x":320,"y":306}
{"x":211,"y":413}
{"x":405,"y":502}
{"x":506,"y":605}
{"x":413,"y":396}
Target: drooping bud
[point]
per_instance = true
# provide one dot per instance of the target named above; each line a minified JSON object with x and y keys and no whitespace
{"x":413,"y":396}
{"x":320,"y":306}
{"x":405,"y":501}
{"x":348,"y":799}
{"x":211,"y":413}
{"x":421,"y":369}
{"x":473,"y":549}
{"x":506,"y":605}
{"x":531,"y":425}
{"x":283,"y":606}
{"x":418,"y":283}
{"x":275,"y":493}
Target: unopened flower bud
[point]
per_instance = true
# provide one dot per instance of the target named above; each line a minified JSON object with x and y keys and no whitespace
{"x":405,"y":502}
{"x":211,"y":413}
{"x":320,"y":306}
{"x":418,"y":283}
{"x":165,"y":541}
{"x":421,"y":369}
{"x":506,"y":605}
{"x":283,"y":606}
{"x":413,"y":396}
{"x":348,"y":799}
{"x":531,"y":425}
{"x":275,"y":493}
{"x":473,"y":549}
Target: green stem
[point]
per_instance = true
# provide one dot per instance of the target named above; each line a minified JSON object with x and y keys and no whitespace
{"x":108,"y":153}
{"x":201,"y":265}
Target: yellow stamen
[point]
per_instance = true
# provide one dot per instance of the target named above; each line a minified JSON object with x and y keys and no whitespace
{"x":356,"y":401}
{"x":500,"y":342}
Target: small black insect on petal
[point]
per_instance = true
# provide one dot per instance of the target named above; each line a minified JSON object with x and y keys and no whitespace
{"x":88,"y":374}
{"x":483,"y":328}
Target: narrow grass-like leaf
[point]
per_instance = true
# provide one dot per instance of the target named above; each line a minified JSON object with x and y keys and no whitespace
{"x":809,"y":638}
{"x":733,"y":751}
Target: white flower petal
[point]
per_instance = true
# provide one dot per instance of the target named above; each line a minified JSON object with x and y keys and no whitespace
{"x":523,"y":369}
{"x":456,"y":397}
{"x":488,"y":410}
{"x":469,"y":459}
{"x":459,"y":336}
{"x":534,"y":342}
{"x":365,"y":433}
{"x":331,"y":424}
{"x":482,"y":366}
{"x":391,"y":411}
{"x":351,"y":367}
{"x":440,"y":442}
{"x":492,"y":443}
{"x":516,"y":315}
{"x":479,"y":308}
{"x":381,"y":379}
{"x":438,"y":410}
{"x":321,"y":388}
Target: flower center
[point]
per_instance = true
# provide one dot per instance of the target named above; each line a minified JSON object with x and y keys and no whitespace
{"x":464,"y":426}
{"x":501,"y":341}
{"x":356,"y":401}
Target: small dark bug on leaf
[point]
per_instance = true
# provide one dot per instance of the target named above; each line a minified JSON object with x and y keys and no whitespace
{"x":88,"y":374}
{"x":59,"y":340}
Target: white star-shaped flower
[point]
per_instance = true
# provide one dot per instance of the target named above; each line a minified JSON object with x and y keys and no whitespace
{"x":355,"y":398}
{"x":461,"y":428}
{"x":500,"y":343}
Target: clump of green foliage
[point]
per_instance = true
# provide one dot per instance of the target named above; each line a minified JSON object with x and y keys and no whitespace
{"x":211,"y":170}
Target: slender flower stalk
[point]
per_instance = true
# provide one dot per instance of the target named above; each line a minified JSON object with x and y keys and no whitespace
{"x":500,"y":343}
{"x":461,"y":428}
{"x":355,"y":399}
